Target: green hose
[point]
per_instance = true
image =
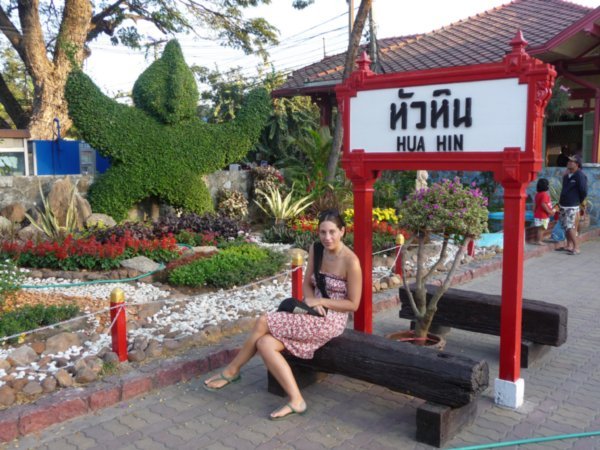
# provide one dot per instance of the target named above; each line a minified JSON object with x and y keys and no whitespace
{"x":530,"y":441}
{"x":85,"y":283}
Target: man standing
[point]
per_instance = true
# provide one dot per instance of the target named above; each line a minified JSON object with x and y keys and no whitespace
{"x":572,"y":195}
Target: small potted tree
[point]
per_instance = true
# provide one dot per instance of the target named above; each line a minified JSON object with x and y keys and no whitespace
{"x":457,"y":214}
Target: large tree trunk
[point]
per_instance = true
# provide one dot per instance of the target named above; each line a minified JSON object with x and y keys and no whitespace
{"x":351,"y":54}
{"x":49,"y":76}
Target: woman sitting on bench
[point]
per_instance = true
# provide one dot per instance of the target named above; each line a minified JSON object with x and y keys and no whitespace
{"x":332,"y":292}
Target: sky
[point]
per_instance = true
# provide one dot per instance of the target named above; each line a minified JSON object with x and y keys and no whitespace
{"x":305,"y":36}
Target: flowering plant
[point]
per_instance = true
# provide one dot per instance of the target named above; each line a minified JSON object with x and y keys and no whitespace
{"x":88,"y":253}
{"x":455,"y":212}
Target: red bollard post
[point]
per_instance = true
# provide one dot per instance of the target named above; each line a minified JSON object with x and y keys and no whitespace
{"x":297,"y":263}
{"x":400,"y":243}
{"x":118,"y":320}
{"x":471,"y":248}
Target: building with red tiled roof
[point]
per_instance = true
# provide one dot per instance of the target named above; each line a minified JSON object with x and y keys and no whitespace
{"x":557,"y":31}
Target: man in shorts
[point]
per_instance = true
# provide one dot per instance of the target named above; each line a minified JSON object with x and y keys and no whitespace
{"x":572,"y":195}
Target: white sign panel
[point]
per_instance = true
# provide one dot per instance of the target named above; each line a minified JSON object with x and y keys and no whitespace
{"x":483,"y":116}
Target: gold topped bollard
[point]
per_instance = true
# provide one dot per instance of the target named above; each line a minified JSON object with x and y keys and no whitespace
{"x":118,"y":320}
{"x":399,"y":243}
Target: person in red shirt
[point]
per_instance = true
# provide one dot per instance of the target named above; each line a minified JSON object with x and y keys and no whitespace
{"x":543,"y":209}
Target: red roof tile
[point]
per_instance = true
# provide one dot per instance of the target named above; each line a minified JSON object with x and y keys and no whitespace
{"x":478,"y":39}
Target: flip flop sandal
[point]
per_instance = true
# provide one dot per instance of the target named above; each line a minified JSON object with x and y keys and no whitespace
{"x":291,"y":413}
{"x":561,"y":249}
{"x":223,"y":377}
{"x":571,"y":252}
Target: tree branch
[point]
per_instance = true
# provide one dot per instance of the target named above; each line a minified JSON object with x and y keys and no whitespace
{"x":411,"y":299}
{"x":12,"y":106}
{"x":12,"y":34}
{"x":440,"y":259}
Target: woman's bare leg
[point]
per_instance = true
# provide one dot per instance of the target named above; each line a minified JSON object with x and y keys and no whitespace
{"x":270,"y":350}
{"x":248,"y":350}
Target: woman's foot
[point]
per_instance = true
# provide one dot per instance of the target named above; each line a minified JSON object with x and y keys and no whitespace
{"x":221,"y":380}
{"x":288,"y":410}
{"x":538,"y":243}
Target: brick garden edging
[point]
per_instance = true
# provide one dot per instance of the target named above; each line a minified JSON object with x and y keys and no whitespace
{"x":70,"y":403}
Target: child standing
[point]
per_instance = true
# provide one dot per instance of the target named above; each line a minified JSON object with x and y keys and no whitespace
{"x":543,"y":209}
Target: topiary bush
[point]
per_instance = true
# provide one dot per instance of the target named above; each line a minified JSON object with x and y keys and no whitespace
{"x":157,"y":148}
{"x":235,"y":265}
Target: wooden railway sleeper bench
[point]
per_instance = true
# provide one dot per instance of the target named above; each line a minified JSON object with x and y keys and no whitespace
{"x":544,"y":325}
{"x":449,"y":384}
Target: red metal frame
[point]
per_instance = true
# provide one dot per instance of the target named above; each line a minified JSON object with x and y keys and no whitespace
{"x":512,"y":167}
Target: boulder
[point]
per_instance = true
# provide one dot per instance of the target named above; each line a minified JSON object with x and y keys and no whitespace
{"x":136,"y":356}
{"x":83,"y":210}
{"x":4,"y":364}
{"x":59,"y":199}
{"x":7,"y":396}
{"x":110,"y":358}
{"x":5,"y":225}
{"x":22,"y":356}
{"x":61,"y":342}
{"x":100,"y":220}
{"x":15,"y":212}
{"x":49,"y":384}
{"x":154,"y":349}
{"x":29,"y":233}
{"x":32,"y":389}
{"x":141,"y":264}
{"x":63,"y":378}
{"x":85,"y":375}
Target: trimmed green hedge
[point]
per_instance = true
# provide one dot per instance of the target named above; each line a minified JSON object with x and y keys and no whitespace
{"x":159,"y":148}
{"x":234,"y":265}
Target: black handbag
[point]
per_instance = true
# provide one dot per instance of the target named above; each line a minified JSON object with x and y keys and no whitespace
{"x":295,"y":306}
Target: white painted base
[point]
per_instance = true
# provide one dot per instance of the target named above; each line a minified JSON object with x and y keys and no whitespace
{"x":509,"y":394}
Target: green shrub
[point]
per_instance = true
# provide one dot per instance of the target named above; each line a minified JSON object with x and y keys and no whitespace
{"x":237,"y":264}
{"x":31,"y":317}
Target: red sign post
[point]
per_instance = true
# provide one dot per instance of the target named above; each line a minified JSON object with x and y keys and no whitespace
{"x":485,"y":117}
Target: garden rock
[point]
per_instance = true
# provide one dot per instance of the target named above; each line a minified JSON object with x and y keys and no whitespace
{"x":64,"y":378}
{"x":5,"y":224}
{"x":136,"y":356}
{"x":62,"y":342}
{"x":148,"y":310}
{"x":110,"y":358}
{"x":85,"y":375}
{"x":38,"y":347}
{"x":4,"y":364}
{"x":141,"y":264}
{"x":205,"y":249}
{"x":171,"y":344}
{"x":29,"y":233}
{"x":19,"y":384}
{"x":83,"y":209}
{"x":32,"y":389}
{"x":7,"y":396}
{"x":15,"y":212}
{"x":22,"y":356}
{"x":49,"y":384}
{"x":100,"y":220}
{"x":154,"y":349}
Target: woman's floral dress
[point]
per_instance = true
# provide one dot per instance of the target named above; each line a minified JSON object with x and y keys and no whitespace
{"x":302,"y":334}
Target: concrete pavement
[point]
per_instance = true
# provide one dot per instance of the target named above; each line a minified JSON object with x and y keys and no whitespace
{"x":562,"y":391}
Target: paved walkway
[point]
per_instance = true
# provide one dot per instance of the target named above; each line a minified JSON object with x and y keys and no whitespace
{"x":562,"y":392}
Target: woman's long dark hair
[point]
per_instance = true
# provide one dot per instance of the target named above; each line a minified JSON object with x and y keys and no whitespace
{"x":332,"y":215}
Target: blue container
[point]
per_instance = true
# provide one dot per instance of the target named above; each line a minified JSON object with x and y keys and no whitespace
{"x":60,"y":157}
